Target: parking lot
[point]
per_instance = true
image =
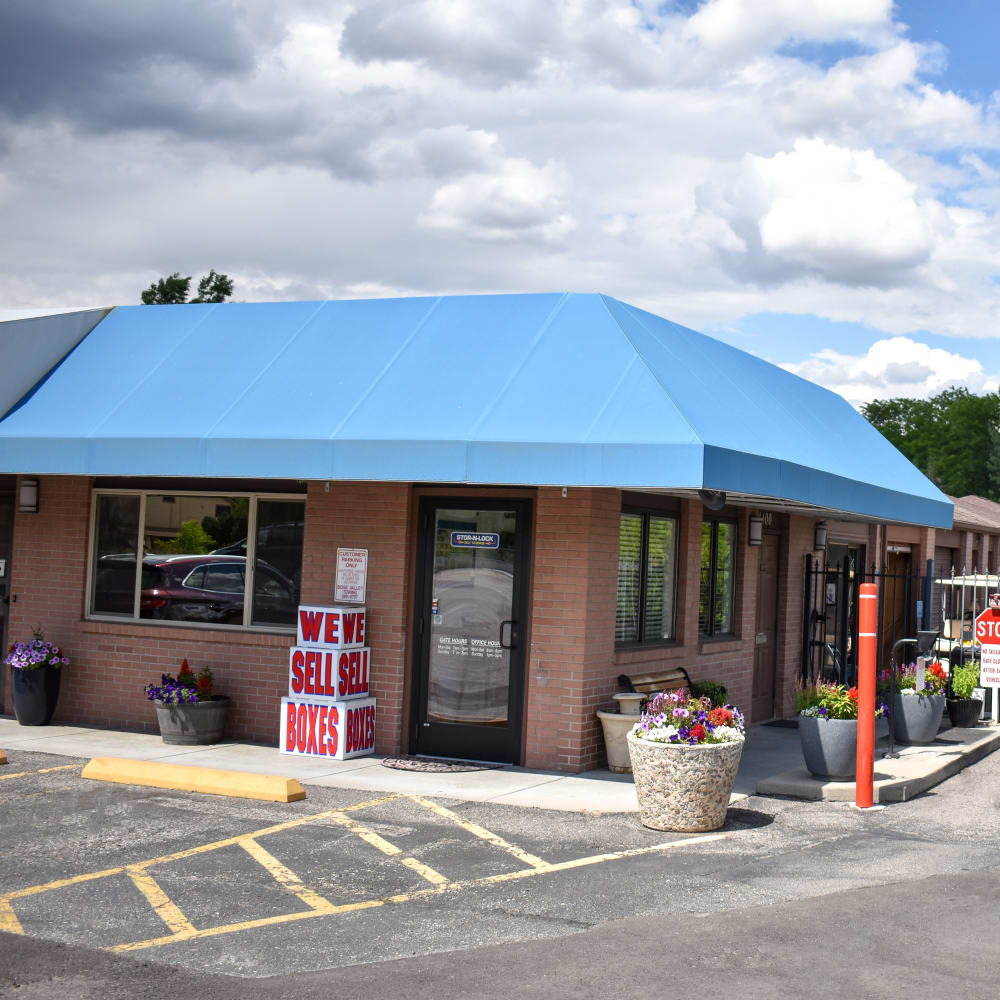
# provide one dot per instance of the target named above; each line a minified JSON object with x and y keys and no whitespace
{"x":343,"y":877}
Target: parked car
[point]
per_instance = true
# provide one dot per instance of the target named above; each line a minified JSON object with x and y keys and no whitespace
{"x":209,"y":588}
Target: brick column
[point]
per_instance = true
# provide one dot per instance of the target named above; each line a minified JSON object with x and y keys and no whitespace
{"x":373,"y":516}
{"x":571,"y":670}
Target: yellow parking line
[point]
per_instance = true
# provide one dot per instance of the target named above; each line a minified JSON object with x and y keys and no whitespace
{"x":166,"y":909}
{"x":43,"y":770}
{"x":189,"y":852}
{"x":425,"y":871}
{"x":383,"y":845}
{"x":478,"y":831}
{"x":418,"y":894}
{"x":8,"y":919}
{"x":284,"y":875}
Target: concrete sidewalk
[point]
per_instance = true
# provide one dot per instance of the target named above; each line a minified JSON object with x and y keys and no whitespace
{"x":771,"y":764}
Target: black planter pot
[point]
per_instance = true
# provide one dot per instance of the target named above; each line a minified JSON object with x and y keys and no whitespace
{"x":964,"y":712}
{"x":35,"y":694}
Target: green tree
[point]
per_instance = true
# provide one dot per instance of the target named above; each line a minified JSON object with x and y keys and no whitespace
{"x":174,"y":290}
{"x":953,"y":438}
{"x":192,"y":540}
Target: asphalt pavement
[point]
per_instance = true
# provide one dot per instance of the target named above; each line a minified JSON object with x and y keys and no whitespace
{"x":440,"y":897}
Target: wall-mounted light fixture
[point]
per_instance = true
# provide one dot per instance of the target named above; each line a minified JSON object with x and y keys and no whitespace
{"x":756,"y":530}
{"x":819,"y":536}
{"x":27,"y":496}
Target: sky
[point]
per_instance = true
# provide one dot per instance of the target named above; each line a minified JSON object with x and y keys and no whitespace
{"x":817,"y":183}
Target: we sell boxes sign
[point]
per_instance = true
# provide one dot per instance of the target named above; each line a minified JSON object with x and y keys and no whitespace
{"x":328,"y":712}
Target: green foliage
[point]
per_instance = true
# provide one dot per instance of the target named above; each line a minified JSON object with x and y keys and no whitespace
{"x":231,"y":526}
{"x":173,"y":290}
{"x":192,"y":540}
{"x":715,"y":692}
{"x":827,"y":701}
{"x":953,"y":438}
{"x":964,"y":680}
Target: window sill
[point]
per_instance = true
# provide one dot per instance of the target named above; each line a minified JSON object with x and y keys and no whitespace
{"x":228,"y":634}
{"x":719,"y":644}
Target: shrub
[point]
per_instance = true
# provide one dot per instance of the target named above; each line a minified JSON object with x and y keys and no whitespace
{"x":964,"y":680}
{"x":716,"y":693}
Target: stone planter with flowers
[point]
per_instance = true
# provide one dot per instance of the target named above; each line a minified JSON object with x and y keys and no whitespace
{"x":685,"y":755}
{"x":186,"y":709}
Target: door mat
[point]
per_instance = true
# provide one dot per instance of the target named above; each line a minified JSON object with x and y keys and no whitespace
{"x":437,"y":765}
{"x":783,"y":723}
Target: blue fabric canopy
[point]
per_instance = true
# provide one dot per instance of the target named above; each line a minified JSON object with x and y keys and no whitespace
{"x":558,"y":389}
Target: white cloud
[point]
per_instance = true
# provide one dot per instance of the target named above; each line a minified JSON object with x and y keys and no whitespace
{"x":898,"y":366}
{"x":841,"y":214}
{"x":515,"y":201}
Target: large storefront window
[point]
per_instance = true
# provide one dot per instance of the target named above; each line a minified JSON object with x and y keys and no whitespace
{"x":205,"y":559}
{"x":647,"y":577}
{"x":718,"y":578}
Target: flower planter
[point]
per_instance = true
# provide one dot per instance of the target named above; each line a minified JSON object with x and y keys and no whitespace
{"x":829,"y":746}
{"x":192,"y":723}
{"x":964,"y":712}
{"x":917,"y":718}
{"x":683,"y":787}
{"x":35,"y":694}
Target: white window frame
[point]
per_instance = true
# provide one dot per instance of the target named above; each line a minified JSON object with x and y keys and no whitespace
{"x":251,"y":557}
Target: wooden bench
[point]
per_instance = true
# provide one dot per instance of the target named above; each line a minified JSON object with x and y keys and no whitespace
{"x":667,"y":679}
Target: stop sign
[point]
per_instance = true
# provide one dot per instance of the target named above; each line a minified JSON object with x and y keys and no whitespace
{"x":988,"y":627}
{"x":987,"y":633}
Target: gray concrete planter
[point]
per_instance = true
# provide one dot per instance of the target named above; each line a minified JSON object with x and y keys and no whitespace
{"x":193,"y":723}
{"x":917,"y":718}
{"x":830,"y":746}
{"x":682,"y":787}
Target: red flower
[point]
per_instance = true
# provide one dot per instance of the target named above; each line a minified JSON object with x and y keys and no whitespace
{"x":938,"y":671}
{"x":204,"y":686}
{"x":852,"y":693}
{"x":697,"y":733}
{"x":720,"y":717}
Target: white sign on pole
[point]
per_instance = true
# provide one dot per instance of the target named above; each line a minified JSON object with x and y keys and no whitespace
{"x":352,"y":575}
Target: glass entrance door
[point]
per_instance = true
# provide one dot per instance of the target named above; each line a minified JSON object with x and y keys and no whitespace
{"x":470,"y":622}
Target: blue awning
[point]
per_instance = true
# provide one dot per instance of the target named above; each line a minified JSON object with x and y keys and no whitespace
{"x":568,"y":390}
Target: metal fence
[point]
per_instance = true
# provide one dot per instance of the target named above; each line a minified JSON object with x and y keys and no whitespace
{"x":907,"y":602}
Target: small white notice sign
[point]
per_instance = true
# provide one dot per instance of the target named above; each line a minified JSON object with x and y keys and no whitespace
{"x":352,"y":575}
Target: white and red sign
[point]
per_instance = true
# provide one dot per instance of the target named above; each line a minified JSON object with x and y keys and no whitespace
{"x":987,"y":633}
{"x":328,"y":674}
{"x":320,"y":729}
{"x":352,"y":575}
{"x":336,"y":628}
{"x":328,"y":711}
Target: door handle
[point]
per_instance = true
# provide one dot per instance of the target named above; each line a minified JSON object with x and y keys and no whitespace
{"x":511,"y":623}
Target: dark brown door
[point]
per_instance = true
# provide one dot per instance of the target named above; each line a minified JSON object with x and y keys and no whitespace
{"x":766,"y":632}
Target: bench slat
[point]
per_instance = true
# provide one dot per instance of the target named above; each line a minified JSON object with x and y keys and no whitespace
{"x":671,"y":679}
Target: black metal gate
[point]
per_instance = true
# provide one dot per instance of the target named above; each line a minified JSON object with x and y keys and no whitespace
{"x":830,"y":619}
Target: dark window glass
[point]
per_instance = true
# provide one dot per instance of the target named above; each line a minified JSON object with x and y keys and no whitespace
{"x":194,"y":558}
{"x":718,"y":578}
{"x":278,"y":561}
{"x":115,"y":555}
{"x":647,"y":578}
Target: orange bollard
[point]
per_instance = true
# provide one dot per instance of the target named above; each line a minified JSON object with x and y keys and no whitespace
{"x":867,"y":623}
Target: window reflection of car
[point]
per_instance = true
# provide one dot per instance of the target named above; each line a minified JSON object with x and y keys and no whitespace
{"x":209,"y":588}
{"x":280,"y":544}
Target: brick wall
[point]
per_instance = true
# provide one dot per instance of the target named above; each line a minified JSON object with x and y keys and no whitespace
{"x":373,"y":516}
{"x":112,"y":661}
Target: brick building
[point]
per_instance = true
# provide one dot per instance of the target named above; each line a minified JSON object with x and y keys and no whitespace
{"x":552,"y":490}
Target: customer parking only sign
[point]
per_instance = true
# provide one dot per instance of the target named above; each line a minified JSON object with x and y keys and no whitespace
{"x":328,"y":711}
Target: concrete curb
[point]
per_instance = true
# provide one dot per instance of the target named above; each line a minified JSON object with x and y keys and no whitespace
{"x":920,"y":774}
{"x":183,"y":778}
